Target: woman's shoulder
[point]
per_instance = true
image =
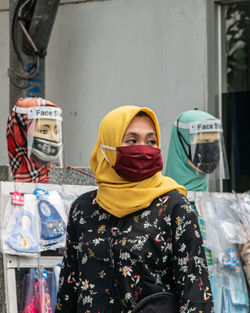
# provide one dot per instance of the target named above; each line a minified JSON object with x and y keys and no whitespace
{"x":176,"y":201}
{"x":175,"y":196}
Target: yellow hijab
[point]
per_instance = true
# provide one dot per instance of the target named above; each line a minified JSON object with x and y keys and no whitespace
{"x":115,"y":194}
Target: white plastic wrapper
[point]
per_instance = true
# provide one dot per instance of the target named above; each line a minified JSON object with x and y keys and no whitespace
{"x":223,"y":229}
{"x":244,"y":206}
{"x":20,"y":228}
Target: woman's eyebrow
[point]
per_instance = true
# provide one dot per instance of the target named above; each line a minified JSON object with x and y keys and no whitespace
{"x":151,"y":134}
{"x":136,"y":134}
{"x":131,"y":134}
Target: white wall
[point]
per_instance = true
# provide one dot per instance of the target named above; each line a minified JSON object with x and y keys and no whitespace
{"x":103,"y":54}
{"x":108,"y":53}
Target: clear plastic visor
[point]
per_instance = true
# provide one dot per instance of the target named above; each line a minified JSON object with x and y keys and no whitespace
{"x":207,"y":149}
{"x":45,"y":135}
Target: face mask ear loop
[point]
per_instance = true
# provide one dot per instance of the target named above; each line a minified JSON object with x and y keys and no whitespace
{"x":107,"y":147}
{"x":182,"y":138}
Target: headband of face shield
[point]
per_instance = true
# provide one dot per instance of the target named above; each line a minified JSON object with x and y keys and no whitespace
{"x":205,"y":148}
{"x":45,"y":134}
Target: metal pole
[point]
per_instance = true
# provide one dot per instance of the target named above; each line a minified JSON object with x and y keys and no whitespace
{"x":19,"y":87}
{"x":28,"y":45}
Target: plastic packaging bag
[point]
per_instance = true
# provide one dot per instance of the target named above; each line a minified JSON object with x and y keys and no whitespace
{"x":19,"y":228}
{"x":229,"y":216}
{"x":39,"y":290}
{"x":53,"y":219}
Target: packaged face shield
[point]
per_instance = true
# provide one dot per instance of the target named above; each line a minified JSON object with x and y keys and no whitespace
{"x":45,"y":134}
{"x":206,"y":149}
{"x":20,"y":226}
{"x":52,"y":213}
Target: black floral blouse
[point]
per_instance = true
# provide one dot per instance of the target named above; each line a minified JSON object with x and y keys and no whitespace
{"x":111,"y":263}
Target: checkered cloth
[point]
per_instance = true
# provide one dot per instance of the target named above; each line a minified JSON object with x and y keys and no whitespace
{"x":24,"y":167}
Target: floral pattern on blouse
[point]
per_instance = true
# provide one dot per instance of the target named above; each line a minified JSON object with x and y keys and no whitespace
{"x":111,"y":263}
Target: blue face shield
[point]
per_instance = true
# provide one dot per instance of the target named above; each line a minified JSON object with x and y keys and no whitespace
{"x":52,"y":225}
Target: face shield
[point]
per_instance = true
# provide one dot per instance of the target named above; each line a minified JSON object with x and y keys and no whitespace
{"x":45,"y":134}
{"x":206,"y":148}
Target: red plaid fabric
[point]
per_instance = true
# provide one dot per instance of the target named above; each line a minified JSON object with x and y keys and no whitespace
{"x":24,"y":168}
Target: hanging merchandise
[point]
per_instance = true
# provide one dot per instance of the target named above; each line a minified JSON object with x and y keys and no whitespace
{"x":229,"y":217}
{"x":19,"y":231}
{"x":53,"y":217}
{"x":244,"y":205}
{"x":52,"y":225}
{"x":224,"y":232}
{"x":244,"y":249}
{"x":68,"y":199}
{"x":38,"y":291}
{"x":230,"y":260}
{"x":56,"y":273}
{"x":43,"y":299}
{"x":23,"y":235}
{"x":223,"y":225}
{"x":211,"y":237}
{"x":70,"y":193}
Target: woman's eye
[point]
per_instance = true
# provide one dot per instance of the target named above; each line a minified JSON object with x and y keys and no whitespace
{"x":151,"y":142}
{"x":131,"y":141}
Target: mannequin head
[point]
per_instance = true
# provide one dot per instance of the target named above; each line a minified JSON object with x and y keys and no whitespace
{"x":34,"y":138}
{"x":45,"y":133}
{"x":196,"y":150}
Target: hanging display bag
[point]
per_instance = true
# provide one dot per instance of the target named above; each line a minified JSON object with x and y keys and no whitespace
{"x":52,"y":225}
{"x":23,"y":235}
{"x":38,"y":287}
{"x":53,"y":218}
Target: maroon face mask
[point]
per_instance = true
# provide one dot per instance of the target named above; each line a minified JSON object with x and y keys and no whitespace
{"x":137,"y":162}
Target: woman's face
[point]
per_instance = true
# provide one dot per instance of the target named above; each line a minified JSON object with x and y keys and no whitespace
{"x":140,"y":131}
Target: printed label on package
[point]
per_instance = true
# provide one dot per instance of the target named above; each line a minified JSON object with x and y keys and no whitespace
{"x":17,"y":198}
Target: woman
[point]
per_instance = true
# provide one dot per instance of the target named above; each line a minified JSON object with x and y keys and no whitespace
{"x":136,"y":238}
